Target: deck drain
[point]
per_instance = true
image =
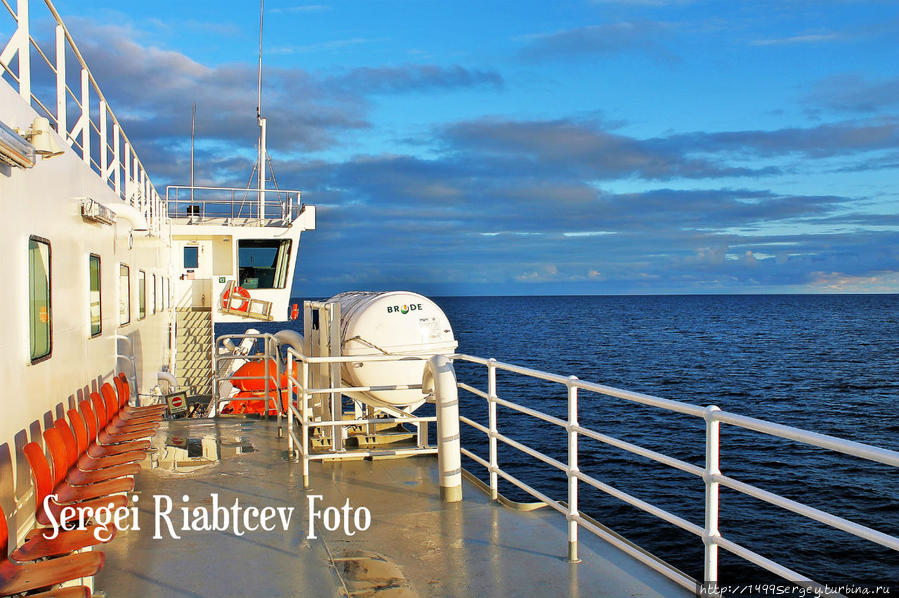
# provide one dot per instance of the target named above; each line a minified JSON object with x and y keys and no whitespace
{"x":368,"y":574}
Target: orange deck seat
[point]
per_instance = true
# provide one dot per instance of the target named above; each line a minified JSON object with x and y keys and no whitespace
{"x":16,"y":578}
{"x":88,"y":462}
{"x":100,"y":448}
{"x":44,"y":485}
{"x":119,"y":419}
{"x":125,"y":394}
{"x":67,"y":461}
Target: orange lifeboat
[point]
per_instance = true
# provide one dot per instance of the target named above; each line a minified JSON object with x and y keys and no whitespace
{"x":249,"y":380}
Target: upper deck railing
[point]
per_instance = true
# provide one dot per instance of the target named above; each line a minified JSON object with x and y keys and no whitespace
{"x":96,"y":133}
{"x":232,"y":206}
{"x":708,"y":531}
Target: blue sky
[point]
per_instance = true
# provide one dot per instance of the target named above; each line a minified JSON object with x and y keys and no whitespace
{"x":594,"y":146}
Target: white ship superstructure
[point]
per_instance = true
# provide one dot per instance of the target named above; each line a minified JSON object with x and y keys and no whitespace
{"x":104,"y":272}
{"x":105,"y":276}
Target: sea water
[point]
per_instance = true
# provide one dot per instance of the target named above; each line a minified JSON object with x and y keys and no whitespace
{"x":826,"y":363}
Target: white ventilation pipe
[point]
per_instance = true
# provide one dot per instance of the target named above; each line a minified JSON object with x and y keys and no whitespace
{"x":173,"y":382}
{"x":439,"y":379}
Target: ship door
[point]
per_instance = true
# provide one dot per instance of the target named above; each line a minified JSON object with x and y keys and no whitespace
{"x":196,"y":272}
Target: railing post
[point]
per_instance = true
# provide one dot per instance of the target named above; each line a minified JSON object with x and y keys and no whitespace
{"x":85,"y":121}
{"x":439,"y":378}
{"x":215,"y":376}
{"x":265,"y":376}
{"x":290,"y":385}
{"x":104,"y":146}
{"x":24,"y":32}
{"x":334,"y":374}
{"x":572,"y":471}
{"x":711,"y":533}
{"x":62,"y":126}
{"x":491,"y":424}
{"x":304,"y":377}
{"x":278,"y":398}
{"x":116,"y":157}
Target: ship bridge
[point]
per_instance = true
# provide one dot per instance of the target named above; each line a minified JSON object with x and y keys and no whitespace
{"x":234,"y":254}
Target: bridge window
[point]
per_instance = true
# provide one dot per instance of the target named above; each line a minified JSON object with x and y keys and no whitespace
{"x":96,"y":318}
{"x":39,"y":299}
{"x":263,"y":263}
{"x":124,"y":294}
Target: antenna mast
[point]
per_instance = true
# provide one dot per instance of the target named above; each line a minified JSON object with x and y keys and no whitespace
{"x":260,"y":176}
{"x":193,"y":124}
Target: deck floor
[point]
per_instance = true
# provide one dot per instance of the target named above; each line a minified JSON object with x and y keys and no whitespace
{"x":415,"y":545}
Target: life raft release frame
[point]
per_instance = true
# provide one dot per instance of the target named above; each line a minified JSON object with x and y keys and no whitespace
{"x":236,"y":300}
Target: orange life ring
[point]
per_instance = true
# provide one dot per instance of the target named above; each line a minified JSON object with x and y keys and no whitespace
{"x":236,"y":294}
{"x":295,"y":311}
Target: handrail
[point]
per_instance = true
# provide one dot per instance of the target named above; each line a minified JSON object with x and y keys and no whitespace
{"x":281,"y":206}
{"x":710,"y":474}
{"x":123,"y":172}
{"x":298,"y":412}
{"x":271,"y":382}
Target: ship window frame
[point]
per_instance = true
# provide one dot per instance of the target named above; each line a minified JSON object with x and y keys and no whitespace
{"x":99,"y":290}
{"x":279,"y":269}
{"x":195,"y":258}
{"x":126,"y":295}
{"x":153,"y":297}
{"x":141,"y":294}
{"x":49,"y":284}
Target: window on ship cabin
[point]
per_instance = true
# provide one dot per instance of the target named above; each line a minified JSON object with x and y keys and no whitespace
{"x":153,"y":296}
{"x":124,"y":294}
{"x":191,"y":257}
{"x":96,"y":316}
{"x":263,"y":263}
{"x":40,"y":321}
{"x":141,"y":294}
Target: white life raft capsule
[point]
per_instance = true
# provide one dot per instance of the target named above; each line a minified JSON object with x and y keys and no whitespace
{"x":390,"y":323}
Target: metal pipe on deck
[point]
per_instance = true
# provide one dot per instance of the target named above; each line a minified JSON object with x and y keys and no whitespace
{"x":440,"y":379}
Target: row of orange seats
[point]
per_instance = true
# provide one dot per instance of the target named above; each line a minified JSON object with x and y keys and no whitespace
{"x":90,"y":464}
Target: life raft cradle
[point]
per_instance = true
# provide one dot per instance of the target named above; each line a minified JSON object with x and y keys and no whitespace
{"x":236,"y":300}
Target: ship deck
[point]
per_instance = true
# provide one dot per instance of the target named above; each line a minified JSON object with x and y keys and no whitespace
{"x":415,"y":545}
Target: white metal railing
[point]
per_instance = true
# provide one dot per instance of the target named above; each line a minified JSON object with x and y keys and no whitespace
{"x":201,"y":204}
{"x":299,"y":413}
{"x":112,"y":156}
{"x":271,"y":376}
{"x":711,"y":475}
{"x":300,"y":410}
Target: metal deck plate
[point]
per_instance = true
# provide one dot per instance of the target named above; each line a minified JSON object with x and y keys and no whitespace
{"x":415,"y":545}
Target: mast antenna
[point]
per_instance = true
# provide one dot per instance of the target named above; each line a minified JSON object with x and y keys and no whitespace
{"x":260,"y":172}
{"x":259,"y":83}
{"x":193,"y":124}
